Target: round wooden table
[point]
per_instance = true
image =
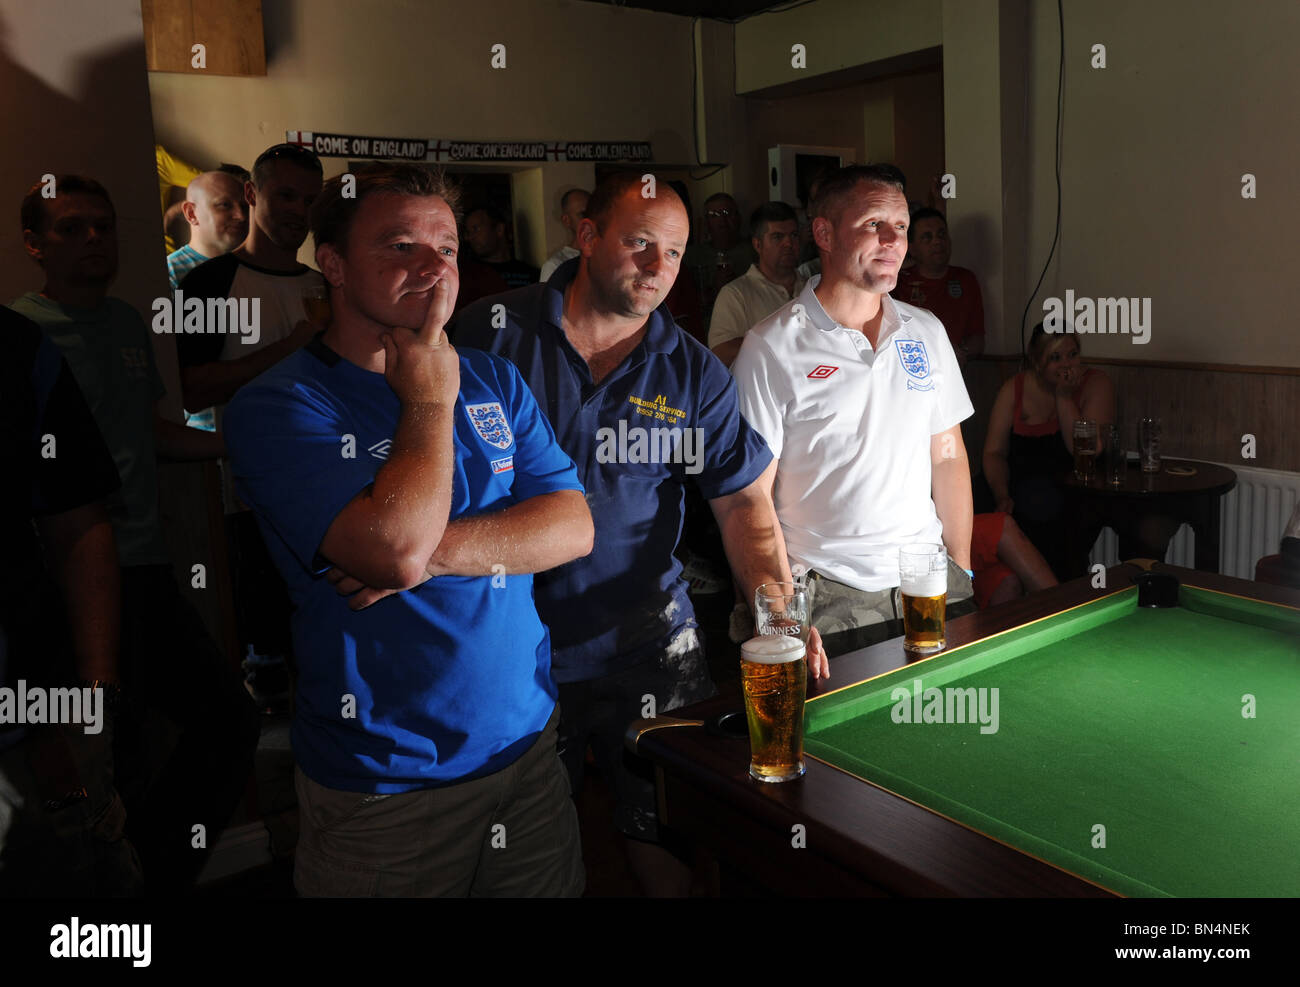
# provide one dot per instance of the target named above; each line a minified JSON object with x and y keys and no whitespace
{"x":1147,"y":509}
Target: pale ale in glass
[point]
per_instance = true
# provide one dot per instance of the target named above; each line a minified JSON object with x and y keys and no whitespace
{"x":923,"y":586}
{"x":316,"y":303}
{"x":1084,"y":458}
{"x":774,"y":679}
{"x":1085,"y":449}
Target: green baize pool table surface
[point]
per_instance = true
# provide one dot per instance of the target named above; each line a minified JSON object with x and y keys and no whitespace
{"x":1152,"y":752}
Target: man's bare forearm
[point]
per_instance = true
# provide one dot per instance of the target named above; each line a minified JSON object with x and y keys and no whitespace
{"x":83,"y":555}
{"x":386,"y":534}
{"x":208,"y":384}
{"x":536,"y":535}
{"x":951,"y":490}
{"x":751,"y":535}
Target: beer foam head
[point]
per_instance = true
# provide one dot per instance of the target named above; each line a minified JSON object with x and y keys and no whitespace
{"x":923,"y":570}
{"x":924,"y":583}
{"x":772,"y":649}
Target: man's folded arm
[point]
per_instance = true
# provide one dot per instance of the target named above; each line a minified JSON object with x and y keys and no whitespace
{"x":538,"y":534}
{"x":387,"y":533}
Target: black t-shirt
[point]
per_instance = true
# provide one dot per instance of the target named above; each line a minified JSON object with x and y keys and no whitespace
{"x":56,"y":460}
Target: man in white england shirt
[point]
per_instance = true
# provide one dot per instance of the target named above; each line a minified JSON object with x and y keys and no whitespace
{"x":861,"y":399}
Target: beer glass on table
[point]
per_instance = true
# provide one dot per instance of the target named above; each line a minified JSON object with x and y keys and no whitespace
{"x":774,"y":678}
{"x":923,"y":585}
{"x":1116,"y":455}
{"x":1149,"y":444}
{"x":782,"y":608}
{"x":1085,"y":449}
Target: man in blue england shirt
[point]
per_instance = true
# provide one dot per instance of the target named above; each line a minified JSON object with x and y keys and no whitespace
{"x":642,"y":409}
{"x":378,"y":456}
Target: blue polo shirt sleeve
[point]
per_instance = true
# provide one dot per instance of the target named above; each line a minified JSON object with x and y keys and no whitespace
{"x":293,"y":462}
{"x":540,"y":465}
{"x":734,"y":452}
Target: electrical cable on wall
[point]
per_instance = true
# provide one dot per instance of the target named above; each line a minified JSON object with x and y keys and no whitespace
{"x":1056,"y":237}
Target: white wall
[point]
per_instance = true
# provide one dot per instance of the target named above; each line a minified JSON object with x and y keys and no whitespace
{"x":399,"y":68}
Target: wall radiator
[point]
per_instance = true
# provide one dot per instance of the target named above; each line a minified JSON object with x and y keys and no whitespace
{"x":1251,"y":518}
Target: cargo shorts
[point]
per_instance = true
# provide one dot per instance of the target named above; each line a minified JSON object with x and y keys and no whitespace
{"x":512,"y":833}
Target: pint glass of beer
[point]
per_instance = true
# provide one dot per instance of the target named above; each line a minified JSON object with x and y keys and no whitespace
{"x":316,"y":303}
{"x":1085,"y":449}
{"x":774,"y":677}
{"x":782,"y":608}
{"x":923,"y":581}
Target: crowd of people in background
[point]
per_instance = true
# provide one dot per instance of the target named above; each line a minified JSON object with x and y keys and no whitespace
{"x":471,"y":596}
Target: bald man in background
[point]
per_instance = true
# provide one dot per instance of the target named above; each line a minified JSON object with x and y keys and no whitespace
{"x":573,"y":206}
{"x":214,"y":208}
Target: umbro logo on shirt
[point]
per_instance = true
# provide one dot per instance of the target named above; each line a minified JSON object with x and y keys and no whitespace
{"x":380,"y":449}
{"x":822,"y":372}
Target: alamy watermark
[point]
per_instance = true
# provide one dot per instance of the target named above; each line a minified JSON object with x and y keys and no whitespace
{"x":950,"y":705}
{"x":22,"y":705}
{"x":638,"y":444}
{"x":214,"y":316}
{"x":1131,"y":316}
{"x":75,"y":940}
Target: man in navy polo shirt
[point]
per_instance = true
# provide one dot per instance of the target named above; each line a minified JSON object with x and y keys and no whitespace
{"x":642,"y":408}
{"x":425,"y":723}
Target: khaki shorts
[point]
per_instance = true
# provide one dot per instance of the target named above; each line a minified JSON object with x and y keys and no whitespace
{"x":513,"y":833}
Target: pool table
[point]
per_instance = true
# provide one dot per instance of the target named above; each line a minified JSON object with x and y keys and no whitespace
{"x":1134,"y":752}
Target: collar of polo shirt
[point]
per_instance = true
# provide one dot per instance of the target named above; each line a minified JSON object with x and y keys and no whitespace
{"x":894,"y":319}
{"x":659,"y":337}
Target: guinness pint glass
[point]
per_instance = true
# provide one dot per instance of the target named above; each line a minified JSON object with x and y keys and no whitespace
{"x":774,"y":677}
{"x":782,"y":608}
{"x":923,"y":585}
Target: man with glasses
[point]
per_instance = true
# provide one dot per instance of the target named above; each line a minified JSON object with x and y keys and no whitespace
{"x":724,"y":255}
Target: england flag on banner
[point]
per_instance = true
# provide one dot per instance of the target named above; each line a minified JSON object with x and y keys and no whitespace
{"x":302,"y":138}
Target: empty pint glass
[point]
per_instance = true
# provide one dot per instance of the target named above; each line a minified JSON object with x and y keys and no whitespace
{"x":774,"y":679}
{"x":923,"y":582}
{"x":782,"y":608}
{"x":1149,"y":444}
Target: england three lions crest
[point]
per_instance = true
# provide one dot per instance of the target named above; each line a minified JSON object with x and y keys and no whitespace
{"x":916,"y":361}
{"x":490,"y":423}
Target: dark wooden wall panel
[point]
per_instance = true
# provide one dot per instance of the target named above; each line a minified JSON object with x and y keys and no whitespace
{"x":1205,"y":410}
